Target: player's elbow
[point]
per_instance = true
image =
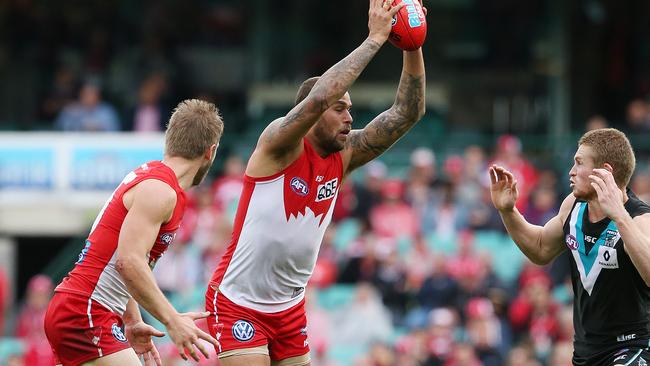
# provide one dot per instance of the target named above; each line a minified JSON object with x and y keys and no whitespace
{"x":316,"y":102}
{"x":422,"y":109}
{"x":539,"y":260}
{"x":125,"y":264}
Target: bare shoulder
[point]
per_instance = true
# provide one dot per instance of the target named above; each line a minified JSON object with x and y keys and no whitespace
{"x":270,"y":132}
{"x":269,"y":157}
{"x":643,"y":220}
{"x":565,"y":207}
{"x":151,"y":196}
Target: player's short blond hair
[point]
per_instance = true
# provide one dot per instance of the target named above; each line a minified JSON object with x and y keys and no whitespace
{"x":194,"y":126}
{"x":612,"y":146}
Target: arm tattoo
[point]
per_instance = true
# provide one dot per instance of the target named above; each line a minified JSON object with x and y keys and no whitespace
{"x":330,"y":87}
{"x":338,"y":79}
{"x":382,"y":132}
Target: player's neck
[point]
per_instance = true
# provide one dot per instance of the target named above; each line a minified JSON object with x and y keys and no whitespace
{"x":314,"y":144}
{"x":596,"y":213}
{"x":184,"y":169}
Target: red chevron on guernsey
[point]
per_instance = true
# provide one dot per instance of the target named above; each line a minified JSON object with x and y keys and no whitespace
{"x":279,"y":225}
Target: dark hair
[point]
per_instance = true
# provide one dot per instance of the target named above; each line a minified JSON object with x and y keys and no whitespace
{"x":305,"y":88}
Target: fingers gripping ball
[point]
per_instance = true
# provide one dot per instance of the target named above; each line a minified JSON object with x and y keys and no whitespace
{"x":409,"y":26}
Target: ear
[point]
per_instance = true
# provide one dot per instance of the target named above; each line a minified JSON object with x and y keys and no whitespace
{"x":211,"y":153}
{"x":608,"y":167}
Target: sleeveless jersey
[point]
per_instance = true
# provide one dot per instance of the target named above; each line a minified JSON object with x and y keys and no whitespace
{"x":94,"y":274}
{"x":612,"y":302}
{"x":278,"y":229}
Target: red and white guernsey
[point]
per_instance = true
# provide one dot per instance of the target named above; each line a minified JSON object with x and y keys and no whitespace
{"x":95,"y":275}
{"x":279,"y":226}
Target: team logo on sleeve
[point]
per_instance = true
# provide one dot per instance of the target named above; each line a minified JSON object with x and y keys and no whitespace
{"x":571,"y":242}
{"x":167,"y":238}
{"x":84,"y":252}
{"x":243,"y":331}
{"x":117,"y":333}
{"x":327,"y":190}
{"x":299,"y":186}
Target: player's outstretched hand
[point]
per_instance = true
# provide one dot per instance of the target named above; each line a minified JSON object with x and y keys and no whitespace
{"x":139,"y":336}
{"x":185,"y":335}
{"x":380,"y":18}
{"x":503,"y":188}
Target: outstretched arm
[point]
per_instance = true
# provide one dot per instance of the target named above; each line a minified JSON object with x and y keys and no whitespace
{"x":281,"y":141}
{"x":382,"y":132}
{"x":540,"y":244}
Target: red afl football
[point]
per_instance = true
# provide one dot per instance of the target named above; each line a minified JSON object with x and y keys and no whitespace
{"x":409,"y":26}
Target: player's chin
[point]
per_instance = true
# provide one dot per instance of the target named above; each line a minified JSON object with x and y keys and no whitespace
{"x":340,"y":140}
{"x":583,"y":195}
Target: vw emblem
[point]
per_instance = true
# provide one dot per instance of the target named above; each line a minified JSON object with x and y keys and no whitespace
{"x":117,"y":333}
{"x":243,"y":331}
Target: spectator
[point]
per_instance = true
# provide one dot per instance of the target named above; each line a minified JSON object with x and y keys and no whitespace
{"x":363,"y":321}
{"x":484,"y":331}
{"x":149,"y":110}
{"x":543,"y":206}
{"x":596,"y":122}
{"x":227,"y":188}
{"x":61,"y":93}
{"x":441,"y":335}
{"x":638,"y":116}
{"x":509,"y":155}
{"x":393,"y":219}
{"x":423,"y":184}
{"x":89,"y":114}
{"x":29,"y":325}
{"x":368,"y":193}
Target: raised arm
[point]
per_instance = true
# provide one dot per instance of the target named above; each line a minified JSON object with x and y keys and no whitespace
{"x":281,"y":141}
{"x":540,"y":244}
{"x":383,"y":131}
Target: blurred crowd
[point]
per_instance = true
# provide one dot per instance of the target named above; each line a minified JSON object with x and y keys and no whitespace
{"x":112,"y":66}
{"x":412,"y":271}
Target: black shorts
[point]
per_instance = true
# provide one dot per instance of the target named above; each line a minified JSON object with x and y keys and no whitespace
{"x":627,"y":355}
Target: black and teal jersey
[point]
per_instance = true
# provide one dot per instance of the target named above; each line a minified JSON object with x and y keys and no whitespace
{"x":612,"y":302}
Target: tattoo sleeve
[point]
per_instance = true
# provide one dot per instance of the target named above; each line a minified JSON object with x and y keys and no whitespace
{"x":382,"y":132}
{"x":283,"y":134}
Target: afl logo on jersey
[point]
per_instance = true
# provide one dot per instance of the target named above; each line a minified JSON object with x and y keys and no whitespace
{"x":571,"y":242}
{"x":299,"y":186}
{"x":117,"y":333}
{"x":167,"y":238}
{"x":243,"y":331}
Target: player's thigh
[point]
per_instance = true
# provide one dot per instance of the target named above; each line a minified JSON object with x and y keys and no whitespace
{"x":125,"y":357}
{"x":303,"y":360}
{"x":245,"y":360}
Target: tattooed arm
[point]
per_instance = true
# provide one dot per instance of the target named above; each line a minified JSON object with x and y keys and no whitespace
{"x":383,"y":131}
{"x":281,"y":141}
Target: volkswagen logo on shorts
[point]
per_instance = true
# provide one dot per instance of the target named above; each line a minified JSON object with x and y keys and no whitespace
{"x":243,"y":331}
{"x":117,"y":333}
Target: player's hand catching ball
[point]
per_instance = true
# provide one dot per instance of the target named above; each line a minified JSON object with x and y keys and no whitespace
{"x":380,"y":18}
